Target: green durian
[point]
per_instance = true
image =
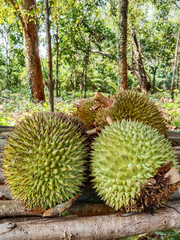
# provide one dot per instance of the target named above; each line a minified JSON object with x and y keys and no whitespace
{"x":44,"y":160}
{"x":135,"y":106}
{"x":87,"y":113}
{"x":125,"y":156}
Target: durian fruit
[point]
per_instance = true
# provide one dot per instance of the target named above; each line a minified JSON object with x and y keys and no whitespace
{"x":125,"y":156}
{"x":135,"y":106}
{"x":87,"y":113}
{"x":44,"y":160}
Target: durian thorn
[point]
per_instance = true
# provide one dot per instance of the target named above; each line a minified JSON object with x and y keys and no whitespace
{"x":103,"y":100}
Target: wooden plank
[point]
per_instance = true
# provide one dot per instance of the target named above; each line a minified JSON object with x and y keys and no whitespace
{"x":113,"y":226}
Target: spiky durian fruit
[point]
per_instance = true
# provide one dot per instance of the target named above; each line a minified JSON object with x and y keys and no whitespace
{"x":134,"y":106}
{"x":44,"y":160}
{"x":87,"y":113}
{"x":126,"y":155}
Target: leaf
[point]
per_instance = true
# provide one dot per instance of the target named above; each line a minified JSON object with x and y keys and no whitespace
{"x":36,"y":211}
{"x":60,"y":208}
{"x":113,"y":85}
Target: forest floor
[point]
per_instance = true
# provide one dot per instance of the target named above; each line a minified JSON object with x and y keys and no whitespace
{"x":15,"y":106}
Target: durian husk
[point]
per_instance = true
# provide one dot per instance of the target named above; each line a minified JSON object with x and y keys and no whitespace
{"x":87,"y":110}
{"x":135,"y":106}
{"x":154,"y":195}
{"x":44,"y":160}
{"x":125,"y":156}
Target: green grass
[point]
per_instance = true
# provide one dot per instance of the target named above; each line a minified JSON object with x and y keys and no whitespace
{"x":15,"y":106}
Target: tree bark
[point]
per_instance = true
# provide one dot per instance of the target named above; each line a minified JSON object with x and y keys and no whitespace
{"x":154,"y":69}
{"x":50,"y":77}
{"x":144,"y":83}
{"x":29,"y":23}
{"x":175,"y":64}
{"x":57,"y":62}
{"x":113,"y":226}
{"x":6,"y":46}
{"x":86,"y":62}
{"x":123,"y":9}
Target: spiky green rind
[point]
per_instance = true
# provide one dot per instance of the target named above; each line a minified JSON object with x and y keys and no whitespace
{"x":134,"y":106}
{"x":125,"y":155}
{"x":44,"y":160}
{"x":86,"y":112}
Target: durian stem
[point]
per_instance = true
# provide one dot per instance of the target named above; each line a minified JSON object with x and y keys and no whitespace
{"x":109,"y":120}
{"x":97,"y":106}
{"x":103,"y":100}
{"x":92,"y":131}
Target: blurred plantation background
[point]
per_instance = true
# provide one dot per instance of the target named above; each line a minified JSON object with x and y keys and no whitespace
{"x":84,"y":40}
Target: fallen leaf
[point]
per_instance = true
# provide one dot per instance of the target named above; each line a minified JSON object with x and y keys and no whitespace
{"x":36,"y":211}
{"x":54,"y":212}
{"x":173,"y":176}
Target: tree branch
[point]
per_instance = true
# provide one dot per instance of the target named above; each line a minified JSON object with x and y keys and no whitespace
{"x":16,"y":7}
{"x":101,"y":52}
{"x":112,"y":226}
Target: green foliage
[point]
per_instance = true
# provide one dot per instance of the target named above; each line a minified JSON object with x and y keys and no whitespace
{"x":15,"y":106}
{"x":171,"y":109}
{"x":157,"y":235}
{"x":62,"y":214}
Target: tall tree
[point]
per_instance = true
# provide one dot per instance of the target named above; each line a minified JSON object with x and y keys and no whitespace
{"x":175,"y":64}
{"x":26,"y":11}
{"x":123,"y":9}
{"x":140,"y":72}
{"x":50,"y":83}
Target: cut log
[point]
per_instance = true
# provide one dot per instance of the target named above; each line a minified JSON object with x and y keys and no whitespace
{"x":177,"y":150}
{"x":5,"y":129}
{"x":12,"y":208}
{"x":113,"y":226}
{"x":175,"y":141}
{"x":9,"y":208}
{"x":4,"y":192}
{"x":173,"y":133}
{"x":2,"y":179}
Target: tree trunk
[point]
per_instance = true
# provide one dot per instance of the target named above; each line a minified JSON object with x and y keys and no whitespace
{"x":7,"y":64}
{"x":144,"y":83}
{"x":86,"y":62}
{"x":50,"y":77}
{"x":57,"y":62}
{"x":123,"y":9}
{"x":154,"y":69}
{"x":175,"y":64}
{"x":30,"y":31}
{"x":6,"y":46}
